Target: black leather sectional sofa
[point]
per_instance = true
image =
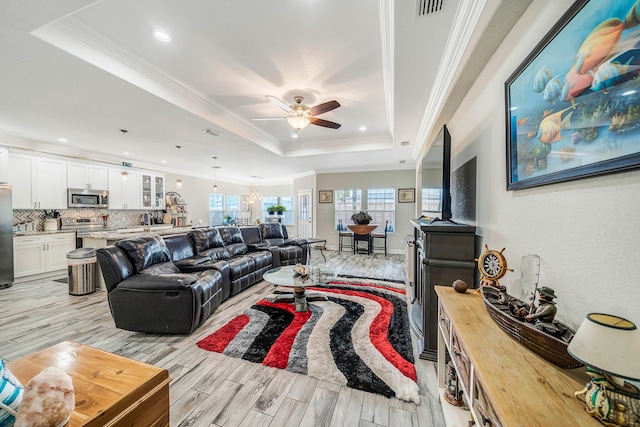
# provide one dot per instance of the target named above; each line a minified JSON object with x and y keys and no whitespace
{"x":171,"y":284}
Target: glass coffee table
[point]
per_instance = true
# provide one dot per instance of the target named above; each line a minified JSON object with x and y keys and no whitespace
{"x":287,"y":278}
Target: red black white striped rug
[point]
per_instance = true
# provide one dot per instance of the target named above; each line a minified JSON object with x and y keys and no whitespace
{"x":359,"y":337}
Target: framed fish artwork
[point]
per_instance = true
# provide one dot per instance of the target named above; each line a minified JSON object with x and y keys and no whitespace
{"x":573,"y":105}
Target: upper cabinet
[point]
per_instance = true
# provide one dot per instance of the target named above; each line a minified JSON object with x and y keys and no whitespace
{"x":152,"y":191}
{"x":38,"y":182}
{"x":87,"y":175}
{"x":124,"y":190}
{"x":4,"y":165}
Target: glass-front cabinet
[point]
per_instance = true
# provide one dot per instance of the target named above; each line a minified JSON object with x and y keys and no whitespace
{"x":152,"y":191}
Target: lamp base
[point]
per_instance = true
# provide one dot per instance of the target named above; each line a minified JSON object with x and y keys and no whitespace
{"x":611,"y":404}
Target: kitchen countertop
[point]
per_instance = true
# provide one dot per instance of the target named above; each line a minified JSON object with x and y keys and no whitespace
{"x":124,"y":234}
{"x":41,"y":233}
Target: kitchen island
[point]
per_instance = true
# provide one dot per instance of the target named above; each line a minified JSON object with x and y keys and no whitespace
{"x":100,"y":239}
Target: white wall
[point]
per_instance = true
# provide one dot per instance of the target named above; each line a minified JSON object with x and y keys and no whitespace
{"x":586,"y":232}
{"x":380,"y":179}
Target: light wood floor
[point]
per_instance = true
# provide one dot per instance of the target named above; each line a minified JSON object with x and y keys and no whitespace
{"x":210,"y":389}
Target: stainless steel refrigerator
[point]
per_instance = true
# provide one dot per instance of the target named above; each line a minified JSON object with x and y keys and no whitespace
{"x":6,"y":237}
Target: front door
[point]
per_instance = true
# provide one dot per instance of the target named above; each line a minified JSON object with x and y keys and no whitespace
{"x":305,"y":214}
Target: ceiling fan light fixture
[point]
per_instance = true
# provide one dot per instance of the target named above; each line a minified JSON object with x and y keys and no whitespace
{"x":298,"y":122}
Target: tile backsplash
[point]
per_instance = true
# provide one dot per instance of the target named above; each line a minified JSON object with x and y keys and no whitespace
{"x":117,"y":218}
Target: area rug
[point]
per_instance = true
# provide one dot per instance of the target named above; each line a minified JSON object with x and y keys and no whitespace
{"x":359,"y":337}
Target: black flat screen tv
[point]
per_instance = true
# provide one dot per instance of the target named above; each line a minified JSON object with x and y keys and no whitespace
{"x":436,"y":179}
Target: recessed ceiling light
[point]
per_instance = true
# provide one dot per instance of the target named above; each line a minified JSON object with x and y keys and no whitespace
{"x":212,"y":132}
{"x":163,"y":161}
{"x":162,"y":36}
{"x":294,"y":135}
{"x":363,"y":127}
{"x":63,"y":140}
{"x":126,"y":153}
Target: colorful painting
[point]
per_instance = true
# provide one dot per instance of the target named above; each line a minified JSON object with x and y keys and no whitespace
{"x":573,"y":106}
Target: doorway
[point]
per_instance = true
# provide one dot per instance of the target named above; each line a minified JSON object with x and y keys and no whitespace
{"x":305,"y":214}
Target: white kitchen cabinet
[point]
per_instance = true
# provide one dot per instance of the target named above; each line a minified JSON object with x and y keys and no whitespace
{"x":38,"y":182}
{"x":152,"y":190}
{"x":87,"y":175}
{"x":41,"y":253}
{"x":4,"y":165}
{"x":58,"y":246}
{"x":28,"y":255}
{"x":124,"y":194}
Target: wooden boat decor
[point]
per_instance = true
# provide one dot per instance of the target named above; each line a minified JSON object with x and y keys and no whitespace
{"x":509,"y":313}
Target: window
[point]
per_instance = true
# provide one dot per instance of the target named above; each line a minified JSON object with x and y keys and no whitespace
{"x":233,"y":207}
{"x":216,"y":208}
{"x":381,"y":205}
{"x":347,"y":202}
{"x":286,"y":201}
{"x":431,"y":199}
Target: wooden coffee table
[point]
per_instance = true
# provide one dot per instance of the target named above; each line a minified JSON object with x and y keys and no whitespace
{"x":110,"y":390}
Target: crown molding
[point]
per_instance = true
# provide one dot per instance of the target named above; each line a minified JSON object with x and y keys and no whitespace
{"x":387,"y":20}
{"x":464,"y":24}
{"x":73,"y":37}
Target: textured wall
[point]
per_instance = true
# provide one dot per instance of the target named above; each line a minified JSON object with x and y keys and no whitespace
{"x":117,"y":218}
{"x":586,"y":232}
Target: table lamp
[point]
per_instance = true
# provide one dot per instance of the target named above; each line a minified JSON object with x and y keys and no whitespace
{"x":610,"y":347}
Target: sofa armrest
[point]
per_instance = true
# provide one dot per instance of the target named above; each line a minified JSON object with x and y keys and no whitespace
{"x":152,"y":283}
{"x":296,"y":241}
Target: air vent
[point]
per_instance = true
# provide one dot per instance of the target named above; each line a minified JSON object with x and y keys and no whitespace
{"x":428,"y":7}
{"x":212,"y":132}
{"x":404,"y":143}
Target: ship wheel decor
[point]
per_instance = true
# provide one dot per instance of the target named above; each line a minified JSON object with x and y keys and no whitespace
{"x":492,"y":266}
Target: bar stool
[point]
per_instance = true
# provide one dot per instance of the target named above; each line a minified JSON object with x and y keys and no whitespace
{"x":344,"y":233}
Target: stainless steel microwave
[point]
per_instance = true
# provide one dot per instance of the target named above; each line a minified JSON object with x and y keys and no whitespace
{"x":85,"y":198}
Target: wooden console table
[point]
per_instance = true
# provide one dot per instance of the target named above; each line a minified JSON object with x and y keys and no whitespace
{"x":110,"y":390}
{"x":504,"y":383}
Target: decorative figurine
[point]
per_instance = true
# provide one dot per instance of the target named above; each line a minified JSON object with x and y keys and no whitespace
{"x":611,"y":404}
{"x":546,"y":310}
{"x":452,"y":392}
{"x":459,"y":286}
{"x":492,"y":266}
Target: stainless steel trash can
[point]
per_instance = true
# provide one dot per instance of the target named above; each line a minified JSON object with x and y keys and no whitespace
{"x":82,"y":271}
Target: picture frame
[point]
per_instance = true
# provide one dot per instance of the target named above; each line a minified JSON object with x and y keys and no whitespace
{"x":573,"y":105}
{"x":406,"y":195}
{"x":325,"y":196}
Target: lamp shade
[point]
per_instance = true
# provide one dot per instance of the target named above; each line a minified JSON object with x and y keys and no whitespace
{"x":298,"y":122}
{"x":609,"y":344}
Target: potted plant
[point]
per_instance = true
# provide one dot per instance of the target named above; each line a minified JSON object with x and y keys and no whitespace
{"x":361,"y":218}
{"x":272,"y":209}
{"x":280,"y":209}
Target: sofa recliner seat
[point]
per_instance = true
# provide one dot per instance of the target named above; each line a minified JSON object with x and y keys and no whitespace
{"x":274,"y":237}
{"x":148,"y":293}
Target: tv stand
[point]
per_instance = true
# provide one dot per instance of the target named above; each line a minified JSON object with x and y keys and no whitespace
{"x":445,"y":252}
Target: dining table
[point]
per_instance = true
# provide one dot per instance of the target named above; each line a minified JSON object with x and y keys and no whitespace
{"x":362,"y":233}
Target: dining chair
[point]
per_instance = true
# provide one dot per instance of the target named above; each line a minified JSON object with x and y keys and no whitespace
{"x":381,"y":235}
{"x":344,"y":233}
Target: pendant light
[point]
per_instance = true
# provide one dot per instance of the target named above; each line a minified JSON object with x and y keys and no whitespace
{"x":215,"y":174}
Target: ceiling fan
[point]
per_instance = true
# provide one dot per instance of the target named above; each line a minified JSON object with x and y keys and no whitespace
{"x":301,"y":115}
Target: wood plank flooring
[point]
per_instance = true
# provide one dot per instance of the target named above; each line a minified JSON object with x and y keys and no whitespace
{"x":210,"y":389}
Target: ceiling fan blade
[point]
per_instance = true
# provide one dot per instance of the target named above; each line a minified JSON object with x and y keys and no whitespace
{"x":323,"y":108}
{"x":268,"y":118}
{"x":324,"y":123}
{"x":280,"y":103}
